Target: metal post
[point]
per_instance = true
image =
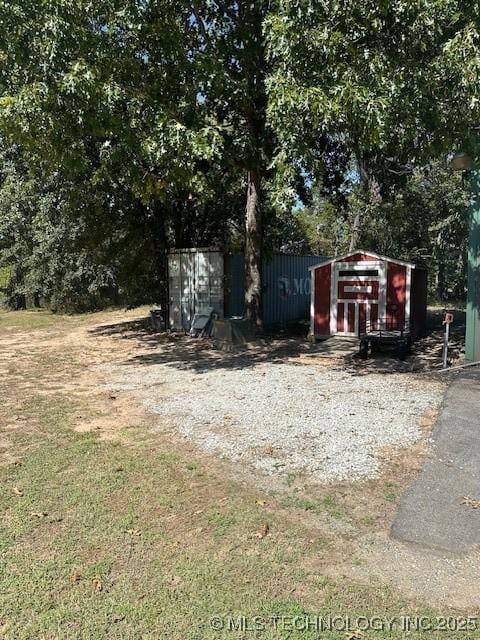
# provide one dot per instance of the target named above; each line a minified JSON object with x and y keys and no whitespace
{"x":445,"y":345}
{"x":472,"y":338}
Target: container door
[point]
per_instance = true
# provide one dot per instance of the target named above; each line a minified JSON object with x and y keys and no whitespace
{"x":174,"y":290}
{"x":209,"y":269}
{"x":217,"y":282}
{"x":187,"y":284}
{"x":202,"y":284}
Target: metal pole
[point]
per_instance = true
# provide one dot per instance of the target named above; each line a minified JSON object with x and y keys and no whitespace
{"x":472,"y":337}
{"x":445,"y":345}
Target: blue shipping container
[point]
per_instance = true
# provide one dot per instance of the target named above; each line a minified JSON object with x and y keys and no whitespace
{"x":286,"y":287}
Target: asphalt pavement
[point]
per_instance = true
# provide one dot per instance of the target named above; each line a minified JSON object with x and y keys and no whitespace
{"x":431,"y":512}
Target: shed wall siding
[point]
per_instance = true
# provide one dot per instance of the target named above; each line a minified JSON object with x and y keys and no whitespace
{"x":396,"y":295}
{"x":323,"y":280}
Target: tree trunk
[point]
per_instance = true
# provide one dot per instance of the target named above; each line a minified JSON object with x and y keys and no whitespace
{"x":160,"y":244}
{"x":364,"y":187}
{"x":355,"y":232}
{"x":368,"y":186}
{"x":253,"y":253}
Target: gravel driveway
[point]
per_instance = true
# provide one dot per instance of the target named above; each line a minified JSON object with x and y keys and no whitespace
{"x":287,"y":417}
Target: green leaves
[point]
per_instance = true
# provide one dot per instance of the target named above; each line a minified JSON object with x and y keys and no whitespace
{"x":381,"y":73}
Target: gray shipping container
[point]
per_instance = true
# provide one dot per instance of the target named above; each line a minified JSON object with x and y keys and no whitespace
{"x":200,"y":278}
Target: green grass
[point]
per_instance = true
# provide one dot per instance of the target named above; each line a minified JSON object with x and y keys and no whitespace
{"x":140,"y":540}
{"x":221,"y":522}
{"x":327,"y":504}
{"x":30,"y":320}
{"x":300,"y":503}
{"x":94,"y":493}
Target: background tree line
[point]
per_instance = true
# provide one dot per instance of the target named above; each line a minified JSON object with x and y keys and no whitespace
{"x":131,"y":126}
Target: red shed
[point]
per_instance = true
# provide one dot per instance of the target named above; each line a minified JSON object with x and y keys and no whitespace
{"x":362,"y":289}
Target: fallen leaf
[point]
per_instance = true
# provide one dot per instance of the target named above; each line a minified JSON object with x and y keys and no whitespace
{"x":471,"y":502}
{"x":17,"y":491}
{"x":119,"y":618}
{"x":97,"y":584}
{"x":75,"y":577}
{"x":56,"y":519}
{"x":38,"y":514}
{"x":355,"y":635}
{"x":175,"y":581}
{"x":134,"y":532}
{"x":263,"y":533}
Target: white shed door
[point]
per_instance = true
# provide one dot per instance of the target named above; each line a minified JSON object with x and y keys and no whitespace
{"x":358,"y":296}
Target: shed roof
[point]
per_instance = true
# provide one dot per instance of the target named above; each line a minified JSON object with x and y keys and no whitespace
{"x":365,"y":252}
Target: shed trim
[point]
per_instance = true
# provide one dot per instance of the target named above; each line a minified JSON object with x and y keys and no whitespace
{"x":408,"y":287}
{"x":312,"y":303}
{"x":374,"y":255}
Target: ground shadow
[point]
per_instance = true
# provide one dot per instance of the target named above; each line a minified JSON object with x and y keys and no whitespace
{"x":198,"y":354}
{"x":427,"y":350}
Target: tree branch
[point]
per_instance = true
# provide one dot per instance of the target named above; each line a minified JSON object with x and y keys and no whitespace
{"x":199,"y":20}
{"x":228,"y":12}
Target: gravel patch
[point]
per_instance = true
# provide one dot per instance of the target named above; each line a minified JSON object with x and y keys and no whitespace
{"x":284,"y":418}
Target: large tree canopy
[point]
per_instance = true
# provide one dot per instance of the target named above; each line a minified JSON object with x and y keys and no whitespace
{"x":129,"y":126}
